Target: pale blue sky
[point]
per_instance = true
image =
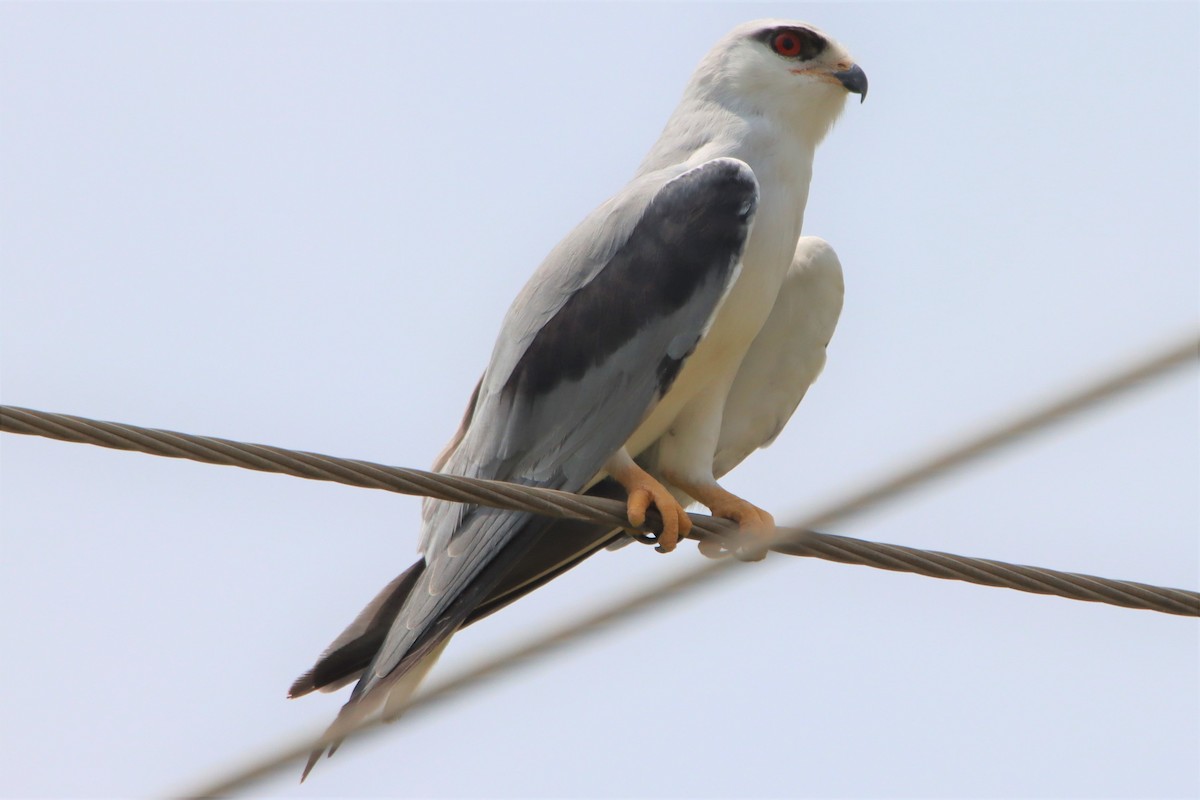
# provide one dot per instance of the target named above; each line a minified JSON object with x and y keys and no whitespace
{"x":301,"y":225}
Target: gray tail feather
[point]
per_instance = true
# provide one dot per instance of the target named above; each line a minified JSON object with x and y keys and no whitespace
{"x":549,"y":552}
{"x":391,"y":697}
{"x":566,"y":544}
{"x":345,"y":659}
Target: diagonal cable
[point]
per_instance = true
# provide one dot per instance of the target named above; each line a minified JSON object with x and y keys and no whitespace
{"x":835,"y":548}
{"x":794,"y":541}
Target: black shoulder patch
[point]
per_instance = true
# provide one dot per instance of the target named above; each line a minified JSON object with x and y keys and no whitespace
{"x":693,"y":229}
{"x":668,"y":371}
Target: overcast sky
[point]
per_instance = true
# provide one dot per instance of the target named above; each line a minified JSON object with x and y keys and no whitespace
{"x":301,"y":225}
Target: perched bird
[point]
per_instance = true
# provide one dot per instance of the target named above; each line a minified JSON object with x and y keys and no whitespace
{"x":669,"y":335}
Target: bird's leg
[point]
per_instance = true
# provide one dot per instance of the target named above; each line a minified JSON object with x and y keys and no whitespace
{"x":645,"y":491}
{"x":753,"y":522}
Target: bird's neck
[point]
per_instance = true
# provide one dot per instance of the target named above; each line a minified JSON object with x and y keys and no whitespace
{"x":704,"y":127}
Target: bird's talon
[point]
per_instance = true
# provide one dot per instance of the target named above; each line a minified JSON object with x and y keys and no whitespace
{"x":636,"y":505}
{"x":751,"y":552}
{"x":641,"y":537}
{"x":676,"y":523}
{"x":712,"y":548}
{"x":666,"y":544}
{"x":756,"y":528}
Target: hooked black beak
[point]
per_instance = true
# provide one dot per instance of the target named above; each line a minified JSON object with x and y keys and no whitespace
{"x":855,"y":80}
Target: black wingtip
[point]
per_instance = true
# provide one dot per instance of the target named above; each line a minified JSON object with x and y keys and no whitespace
{"x":305,"y":684}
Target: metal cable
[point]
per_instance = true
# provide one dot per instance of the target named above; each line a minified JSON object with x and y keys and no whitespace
{"x":834,"y":548}
{"x":795,"y":541}
{"x":314,"y":466}
{"x":789,"y":541}
{"x":799,"y":541}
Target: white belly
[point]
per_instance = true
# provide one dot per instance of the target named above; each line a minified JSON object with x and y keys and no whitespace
{"x":713,"y":365}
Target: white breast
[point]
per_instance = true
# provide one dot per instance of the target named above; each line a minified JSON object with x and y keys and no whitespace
{"x":783,"y":189}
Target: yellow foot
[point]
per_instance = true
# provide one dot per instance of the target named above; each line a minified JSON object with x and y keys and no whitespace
{"x":644,"y":491}
{"x":756,"y":526}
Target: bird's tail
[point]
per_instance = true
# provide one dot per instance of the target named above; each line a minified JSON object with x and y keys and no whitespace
{"x":516,"y":572}
{"x":344,"y":660}
{"x":349,"y":655}
{"x":389,"y":698}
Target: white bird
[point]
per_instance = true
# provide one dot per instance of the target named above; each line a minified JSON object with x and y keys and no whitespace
{"x":665,"y":338}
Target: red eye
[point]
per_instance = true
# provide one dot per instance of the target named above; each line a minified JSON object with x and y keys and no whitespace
{"x":786,"y":44}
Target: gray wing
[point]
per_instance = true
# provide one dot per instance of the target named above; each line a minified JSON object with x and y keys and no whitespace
{"x":785,"y":358}
{"x":781,"y":364}
{"x":567,"y":543}
{"x":584,"y":354}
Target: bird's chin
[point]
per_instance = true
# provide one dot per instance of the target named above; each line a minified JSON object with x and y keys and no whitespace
{"x":823,"y":103}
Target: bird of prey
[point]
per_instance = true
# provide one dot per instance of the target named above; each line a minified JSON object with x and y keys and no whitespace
{"x":669,"y":335}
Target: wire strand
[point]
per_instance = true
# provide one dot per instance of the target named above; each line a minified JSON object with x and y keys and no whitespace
{"x":792,"y":541}
{"x":799,"y":541}
{"x":835,"y":548}
{"x":789,"y":541}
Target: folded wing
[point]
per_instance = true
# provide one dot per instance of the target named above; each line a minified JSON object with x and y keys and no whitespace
{"x":584,"y":354}
{"x":784,"y":360}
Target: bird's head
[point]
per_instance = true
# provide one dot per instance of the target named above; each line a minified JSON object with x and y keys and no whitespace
{"x":783,"y":68}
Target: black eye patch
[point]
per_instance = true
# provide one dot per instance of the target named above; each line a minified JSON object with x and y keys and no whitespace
{"x":800,"y":44}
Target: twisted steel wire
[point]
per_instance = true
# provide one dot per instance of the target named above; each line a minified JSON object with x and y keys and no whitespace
{"x":790,"y":541}
{"x":839,"y":549}
{"x":834,"y":548}
{"x":314,"y":466}
{"x":798,"y":541}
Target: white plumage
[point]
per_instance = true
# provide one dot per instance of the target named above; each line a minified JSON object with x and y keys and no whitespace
{"x":786,"y":357}
{"x":669,"y":335}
